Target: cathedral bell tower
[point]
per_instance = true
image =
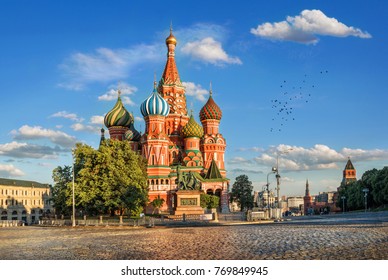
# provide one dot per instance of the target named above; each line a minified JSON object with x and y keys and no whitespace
{"x":172,"y":90}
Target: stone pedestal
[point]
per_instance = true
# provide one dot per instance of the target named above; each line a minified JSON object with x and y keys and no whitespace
{"x":188,"y":202}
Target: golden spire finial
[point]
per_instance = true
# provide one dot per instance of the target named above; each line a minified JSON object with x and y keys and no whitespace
{"x":210,"y":90}
{"x":154,"y":80}
{"x":118,"y":88}
{"x":171,"y":39}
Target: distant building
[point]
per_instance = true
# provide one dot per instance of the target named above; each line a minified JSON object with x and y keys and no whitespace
{"x":326,"y":197}
{"x":349,"y":174}
{"x":264,"y":199}
{"x":295,"y":203}
{"x":26,"y":201}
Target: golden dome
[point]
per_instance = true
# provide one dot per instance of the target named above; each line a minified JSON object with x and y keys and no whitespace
{"x":171,"y":39}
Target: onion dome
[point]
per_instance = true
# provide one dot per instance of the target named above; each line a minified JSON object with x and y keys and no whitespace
{"x":132,"y":134}
{"x":210,"y":111}
{"x":171,"y":39}
{"x":118,"y":116}
{"x":192,"y":129}
{"x":154,"y":105}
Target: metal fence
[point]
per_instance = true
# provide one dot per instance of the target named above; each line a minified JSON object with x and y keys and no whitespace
{"x":123,"y":221}
{"x":11,"y":223}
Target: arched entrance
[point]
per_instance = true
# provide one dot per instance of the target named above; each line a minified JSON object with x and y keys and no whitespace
{"x":4,"y":215}
{"x":14,"y":215}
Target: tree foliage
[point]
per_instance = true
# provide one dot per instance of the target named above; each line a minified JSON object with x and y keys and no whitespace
{"x":109,"y":180}
{"x":157,"y":203}
{"x":61,"y":191}
{"x":242,"y":192}
{"x":209,"y":201}
{"x":376,"y":181}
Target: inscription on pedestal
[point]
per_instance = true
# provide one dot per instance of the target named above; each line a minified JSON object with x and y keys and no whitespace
{"x":188,"y":201}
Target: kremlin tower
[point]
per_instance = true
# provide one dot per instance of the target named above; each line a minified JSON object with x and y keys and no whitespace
{"x":307,"y":199}
{"x":349,"y":173}
{"x":174,"y":142}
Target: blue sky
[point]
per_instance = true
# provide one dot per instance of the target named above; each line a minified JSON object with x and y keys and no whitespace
{"x":61,"y":63}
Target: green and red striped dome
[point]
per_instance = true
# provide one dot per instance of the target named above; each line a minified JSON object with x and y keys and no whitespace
{"x":210,"y":111}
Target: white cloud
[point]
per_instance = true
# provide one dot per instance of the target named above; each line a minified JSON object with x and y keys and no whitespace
{"x":239,"y":160}
{"x":25,"y":150}
{"x":195,"y":90}
{"x":360,"y":154}
{"x":86,"y":128}
{"x":300,"y":158}
{"x":243,"y":171}
{"x":97,"y":120}
{"x":209,"y":50}
{"x":10,"y":171}
{"x":125,"y":90}
{"x":305,"y":28}
{"x":27,"y":132}
{"x":105,"y":64}
{"x":200,"y":31}
{"x":252,"y":149}
{"x":139,"y":119}
{"x":67,"y":115}
{"x":318,"y":157}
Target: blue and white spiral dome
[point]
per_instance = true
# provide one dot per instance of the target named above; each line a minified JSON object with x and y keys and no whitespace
{"x":155,"y":105}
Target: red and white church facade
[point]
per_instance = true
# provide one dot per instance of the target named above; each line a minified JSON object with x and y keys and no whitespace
{"x":173,"y":140}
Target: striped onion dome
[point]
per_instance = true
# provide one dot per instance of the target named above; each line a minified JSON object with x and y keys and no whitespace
{"x":192,"y":129}
{"x":210,"y":111}
{"x":118,"y":116}
{"x":154,"y":105}
{"x":132,"y":134}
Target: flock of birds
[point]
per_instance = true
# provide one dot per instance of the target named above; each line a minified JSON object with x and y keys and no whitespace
{"x":291,"y":97}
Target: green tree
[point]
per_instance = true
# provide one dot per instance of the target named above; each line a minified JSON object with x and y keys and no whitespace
{"x":61,"y":191}
{"x":209,"y":201}
{"x":157,"y":203}
{"x":110,"y":179}
{"x":242,"y":192}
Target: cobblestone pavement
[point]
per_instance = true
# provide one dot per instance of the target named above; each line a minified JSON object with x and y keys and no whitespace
{"x":300,"y":239}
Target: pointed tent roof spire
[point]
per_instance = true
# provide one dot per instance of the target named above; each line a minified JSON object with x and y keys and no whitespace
{"x":213,"y":172}
{"x":102,"y":139}
{"x":307,"y":188}
{"x":349,"y":164}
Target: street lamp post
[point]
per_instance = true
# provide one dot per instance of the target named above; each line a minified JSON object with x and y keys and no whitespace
{"x":73,"y":222}
{"x":343,"y":204}
{"x":365,"y":190}
{"x":274,"y":170}
{"x":278,"y":175}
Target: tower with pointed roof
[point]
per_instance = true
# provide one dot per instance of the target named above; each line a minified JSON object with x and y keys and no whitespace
{"x":172,"y":90}
{"x":349,"y":173}
{"x":173,"y":141}
{"x":213,"y":143}
{"x":307,"y":199}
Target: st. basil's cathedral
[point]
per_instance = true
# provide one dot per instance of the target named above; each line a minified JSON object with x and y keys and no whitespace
{"x":173,"y":142}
